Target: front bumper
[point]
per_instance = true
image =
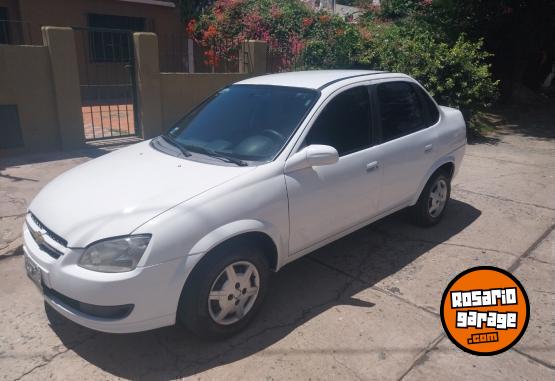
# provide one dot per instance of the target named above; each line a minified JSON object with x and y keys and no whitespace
{"x":153,"y":291}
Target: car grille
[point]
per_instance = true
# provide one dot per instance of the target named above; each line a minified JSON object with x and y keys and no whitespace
{"x":49,"y":232}
{"x":43,"y":245}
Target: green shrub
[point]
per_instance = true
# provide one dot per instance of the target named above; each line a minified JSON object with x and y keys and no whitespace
{"x":333,"y":47}
{"x":456,"y":75}
{"x":394,"y":9}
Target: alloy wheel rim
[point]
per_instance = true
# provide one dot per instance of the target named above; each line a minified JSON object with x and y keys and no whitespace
{"x":437,"y":198}
{"x":233,"y":293}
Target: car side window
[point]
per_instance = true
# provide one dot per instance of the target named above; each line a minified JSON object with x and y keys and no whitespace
{"x":432,"y":113}
{"x":401,"y":112}
{"x":344,"y":123}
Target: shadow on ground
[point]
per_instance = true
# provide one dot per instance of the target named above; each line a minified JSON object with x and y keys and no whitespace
{"x":92,"y":149}
{"x":533,"y":119}
{"x":329,"y":277}
{"x":536,"y":120}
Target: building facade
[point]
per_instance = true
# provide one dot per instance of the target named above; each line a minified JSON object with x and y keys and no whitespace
{"x":21,"y":20}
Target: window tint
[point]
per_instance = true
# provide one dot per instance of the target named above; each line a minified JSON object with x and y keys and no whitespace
{"x":400,"y":110}
{"x":432,"y":113}
{"x":345,"y":122}
{"x":248,"y":122}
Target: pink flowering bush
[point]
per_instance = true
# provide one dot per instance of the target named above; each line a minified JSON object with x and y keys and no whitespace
{"x":297,"y":36}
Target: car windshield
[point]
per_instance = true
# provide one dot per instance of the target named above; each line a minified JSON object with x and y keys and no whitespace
{"x":244,"y":122}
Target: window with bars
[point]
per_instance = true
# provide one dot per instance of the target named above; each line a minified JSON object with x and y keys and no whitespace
{"x":112,"y":46}
{"x":4,"y":26}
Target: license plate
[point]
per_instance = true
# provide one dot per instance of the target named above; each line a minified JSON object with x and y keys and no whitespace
{"x":33,"y":272}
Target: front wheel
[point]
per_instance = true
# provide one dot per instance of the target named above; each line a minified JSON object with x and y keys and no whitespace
{"x":431,"y":204}
{"x":225,"y":291}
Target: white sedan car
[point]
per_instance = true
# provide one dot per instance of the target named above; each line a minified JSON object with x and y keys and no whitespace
{"x":189,"y":225}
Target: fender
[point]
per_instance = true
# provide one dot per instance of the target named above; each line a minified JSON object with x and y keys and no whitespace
{"x":234,"y":229}
{"x":220,"y":235}
{"x":449,"y":158}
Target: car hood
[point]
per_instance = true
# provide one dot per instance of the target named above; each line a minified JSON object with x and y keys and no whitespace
{"x":116,"y":193}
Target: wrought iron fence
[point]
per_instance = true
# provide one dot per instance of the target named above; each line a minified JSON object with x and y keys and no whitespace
{"x":180,"y":54}
{"x":107,"y":81}
{"x":18,"y":32}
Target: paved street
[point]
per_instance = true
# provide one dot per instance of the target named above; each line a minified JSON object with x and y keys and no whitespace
{"x":365,"y":307}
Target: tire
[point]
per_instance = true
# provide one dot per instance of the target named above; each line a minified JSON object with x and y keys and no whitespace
{"x":423,"y":212}
{"x":230,"y":308}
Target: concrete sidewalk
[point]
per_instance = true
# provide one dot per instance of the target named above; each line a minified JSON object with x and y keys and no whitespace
{"x":365,"y":307}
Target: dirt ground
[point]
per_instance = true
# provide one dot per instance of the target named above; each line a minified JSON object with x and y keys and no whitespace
{"x":365,"y":307}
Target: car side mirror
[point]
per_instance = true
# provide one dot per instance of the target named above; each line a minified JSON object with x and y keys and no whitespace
{"x":312,"y":156}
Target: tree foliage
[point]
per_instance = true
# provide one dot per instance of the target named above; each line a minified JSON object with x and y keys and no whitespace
{"x":402,"y":36}
{"x":518,"y":33}
{"x":456,"y":74}
{"x":296,"y":34}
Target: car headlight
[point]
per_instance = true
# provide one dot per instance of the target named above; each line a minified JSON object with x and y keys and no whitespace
{"x":115,"y":255}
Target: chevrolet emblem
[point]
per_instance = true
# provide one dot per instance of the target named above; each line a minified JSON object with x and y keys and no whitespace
{"x":37,"y":236}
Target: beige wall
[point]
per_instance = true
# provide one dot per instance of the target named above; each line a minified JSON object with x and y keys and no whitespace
{"x":181,"y":92}
{"x":42,"y":81}
{"x":148,"y":84}
{"x":26,"y":81}
{"x":162,"y":20}
{"x":65,"y":78}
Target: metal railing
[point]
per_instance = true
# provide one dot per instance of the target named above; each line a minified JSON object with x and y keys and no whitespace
{"x":106,"y":60}
{"x":180,"y":54}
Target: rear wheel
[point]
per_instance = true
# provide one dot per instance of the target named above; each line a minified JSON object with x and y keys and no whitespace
{"x":430,"y":208}
{"x":225,"y":291}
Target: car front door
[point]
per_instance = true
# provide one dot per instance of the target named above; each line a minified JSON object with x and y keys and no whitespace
{"x":324,"y":201}
{"x":407,"y":134}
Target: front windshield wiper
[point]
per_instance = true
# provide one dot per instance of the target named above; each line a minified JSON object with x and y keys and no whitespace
{"x":170,"y":139}
{"x":218,"y":155}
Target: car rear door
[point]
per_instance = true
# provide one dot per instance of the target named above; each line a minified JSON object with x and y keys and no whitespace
{"x":327,"y":200}
{"x":407,"y":134}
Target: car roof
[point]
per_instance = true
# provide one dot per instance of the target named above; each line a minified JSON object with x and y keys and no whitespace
{"x":311,"y":79}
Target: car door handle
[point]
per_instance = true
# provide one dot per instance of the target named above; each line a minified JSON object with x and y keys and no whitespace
{"x":371,"y":166}
{"x":428,"y":148}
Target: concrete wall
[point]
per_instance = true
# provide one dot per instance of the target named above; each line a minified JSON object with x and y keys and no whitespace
{"x":147,"y":68}
{"x":181,"y":92}
{"x":65,"y":79}
{"x":43,"y":81}
{"x":26,"y":81}
{"x":159,"y":19}
{"x":44,"y":84}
